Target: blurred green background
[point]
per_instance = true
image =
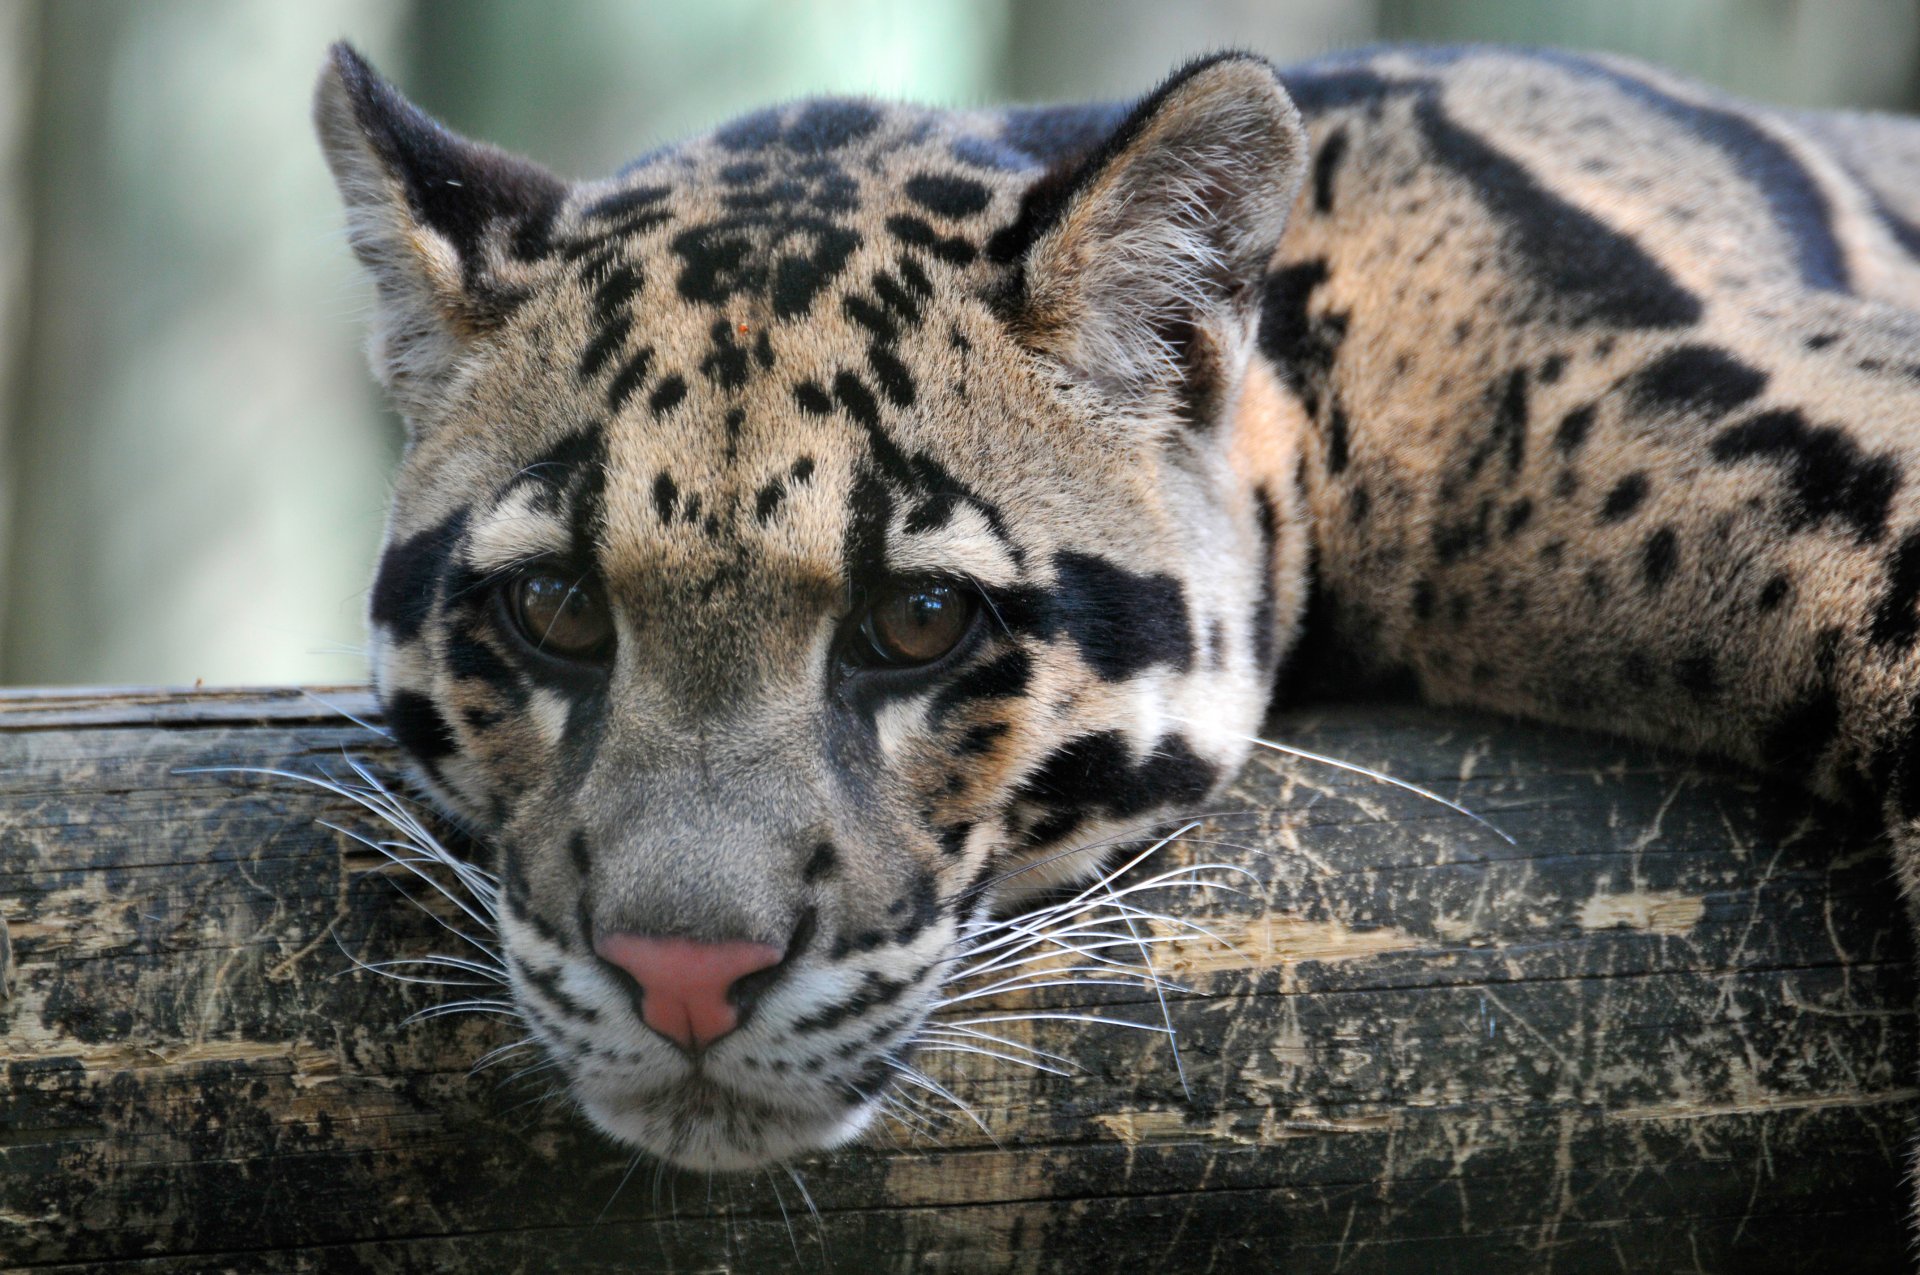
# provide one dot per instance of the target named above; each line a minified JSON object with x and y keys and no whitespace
{"x":192,"y":458}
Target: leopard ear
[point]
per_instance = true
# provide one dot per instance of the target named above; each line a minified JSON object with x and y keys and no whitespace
{"x":447,"y":228}
{"x":1138,"y":267}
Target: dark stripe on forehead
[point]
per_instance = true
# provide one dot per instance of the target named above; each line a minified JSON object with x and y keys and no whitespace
{"x":916,"y":478}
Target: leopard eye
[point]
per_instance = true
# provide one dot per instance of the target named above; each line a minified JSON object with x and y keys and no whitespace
{"x":560,"y":616}
{"x":916,"y":624}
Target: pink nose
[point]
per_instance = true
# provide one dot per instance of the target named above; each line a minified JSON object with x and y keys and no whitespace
{"x":687,"y":987}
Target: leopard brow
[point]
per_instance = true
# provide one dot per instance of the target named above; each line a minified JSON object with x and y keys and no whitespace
{"x":515,"y":532}
{"x":961,"y":550}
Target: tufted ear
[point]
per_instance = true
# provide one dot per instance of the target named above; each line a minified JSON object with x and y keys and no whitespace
{"x":1139,"y":266}
{"x":445,"y":226}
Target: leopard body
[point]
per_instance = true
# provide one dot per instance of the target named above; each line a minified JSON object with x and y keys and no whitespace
{"x":1520,"y":380}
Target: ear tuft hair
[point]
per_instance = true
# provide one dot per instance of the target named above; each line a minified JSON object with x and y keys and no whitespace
{"x":444,"y":225}
{"x":1139,"y":266}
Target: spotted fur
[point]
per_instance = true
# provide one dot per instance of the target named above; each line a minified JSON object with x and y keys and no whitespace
{"x":1528,"y":381}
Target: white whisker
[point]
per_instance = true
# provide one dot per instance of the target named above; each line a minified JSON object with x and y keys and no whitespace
{"x":1378,"y":776}
{"x":915,"y":1077}
{"x":956,"y":1048}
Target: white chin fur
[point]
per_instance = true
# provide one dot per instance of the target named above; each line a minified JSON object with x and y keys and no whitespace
{"x":702,"y":1143}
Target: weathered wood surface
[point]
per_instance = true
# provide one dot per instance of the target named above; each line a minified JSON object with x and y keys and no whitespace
{"x":1670,"y":1029}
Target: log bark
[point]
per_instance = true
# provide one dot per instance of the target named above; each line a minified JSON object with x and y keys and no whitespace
{"x":1669,"y":1027}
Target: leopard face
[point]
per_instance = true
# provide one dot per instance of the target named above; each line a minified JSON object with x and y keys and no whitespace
{"x":821,"y":534}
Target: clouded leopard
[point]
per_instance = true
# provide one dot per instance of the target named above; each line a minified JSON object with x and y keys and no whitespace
{"x":812,"y":536}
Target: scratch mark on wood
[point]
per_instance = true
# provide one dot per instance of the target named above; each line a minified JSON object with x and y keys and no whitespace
{"x":1649,"y":910}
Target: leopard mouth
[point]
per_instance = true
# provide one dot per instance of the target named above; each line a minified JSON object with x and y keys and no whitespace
{"x":701,"y":1123}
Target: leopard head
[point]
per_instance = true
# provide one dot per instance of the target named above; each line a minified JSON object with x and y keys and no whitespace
{"x":819,"y":535}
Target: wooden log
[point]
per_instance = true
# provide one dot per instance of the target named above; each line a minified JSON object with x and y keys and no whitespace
{"x":1670,"y":1027}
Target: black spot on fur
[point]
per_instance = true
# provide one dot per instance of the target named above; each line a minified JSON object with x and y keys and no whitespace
{"x":830,"y":123}
{"x":1304,"y":345}
{"x":631,"y":376}
{"x":896,"y":295}
{"x":823,"y":862}
{"x":875,"y":989}
{"x":872,"y":317}
{"x":980,"y":738}
{"x":547,"y":982}
{"x":1326,"y":166}
{"x":917,"y":233}
{"x":410,"y":571}
{"x":1508,"y":433}
{"x":1518,"y":515}
{"x":1457,"y":538}
{"x":666,"y":395}
{"x":621,"y":285}
{"x":750,"y":132}
{"x":470,"y":657}
{"x":1694,"y":380}
{"x":480,"y":720}
{"x":623,"y":204}
{"x":1895,"y":622}
{"x":858,"y":400}
{"x":1659,"y":556}
{"x":665,"y":496}
{"x":603,"y":346}
{"x":1002,"y":677}
{"x":922,"y":901}
{"x":869,"y":509}
{"x":948,"y":195}
{"x":797,"y":279}
{"x":1574,"y":427}
{"x":1263,"y":612}
{"x":418,"y":727}
{"x":1773,"y":594}
{"x":726,"y":364}
{"x":767,"y":500}
{"x":1121,"y":621}
{"x":1336,"y":438}
{"x":1097,"y":775}
{"x":891,"y":375}
{"x":1626,"y":496}
{"x":1827,"y":475}
{"x":783,"y":253}
{"x":811,"y":399}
